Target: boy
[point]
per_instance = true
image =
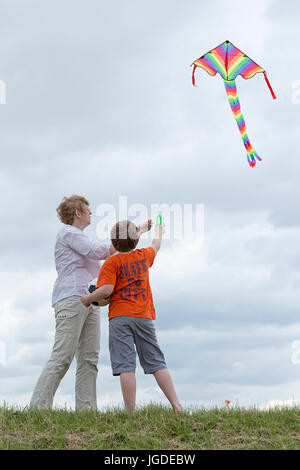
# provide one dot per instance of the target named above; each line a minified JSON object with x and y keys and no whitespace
{"x":125,"y":278}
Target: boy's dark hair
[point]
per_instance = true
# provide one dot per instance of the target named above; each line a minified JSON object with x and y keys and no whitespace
{"x":124,"y":236}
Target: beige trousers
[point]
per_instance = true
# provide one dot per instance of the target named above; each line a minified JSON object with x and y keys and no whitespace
{"x":77,"y":332}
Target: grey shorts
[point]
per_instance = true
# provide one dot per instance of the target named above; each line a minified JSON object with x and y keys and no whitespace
{"x":131,"y":335}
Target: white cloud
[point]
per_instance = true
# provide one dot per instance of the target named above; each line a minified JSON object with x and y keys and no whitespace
{"x":105,"y":111}
{"x":275,"y":404}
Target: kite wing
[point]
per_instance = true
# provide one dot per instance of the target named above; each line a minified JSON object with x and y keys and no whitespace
{"x":229,"y":62}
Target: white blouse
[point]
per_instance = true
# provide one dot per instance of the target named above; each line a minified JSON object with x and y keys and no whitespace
{"x":77,"y":262}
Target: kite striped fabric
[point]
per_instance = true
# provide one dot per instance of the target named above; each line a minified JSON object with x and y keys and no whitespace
{"x":236,"y":109}
{"x":230,"y":62}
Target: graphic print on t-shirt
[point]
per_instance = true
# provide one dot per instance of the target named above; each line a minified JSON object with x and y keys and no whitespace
{"x":129,"y":273}
{"x":132,"y":273}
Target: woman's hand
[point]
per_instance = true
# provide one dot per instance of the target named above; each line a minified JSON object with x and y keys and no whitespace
{"x":145,"y":227}
{"x":85,"y":300}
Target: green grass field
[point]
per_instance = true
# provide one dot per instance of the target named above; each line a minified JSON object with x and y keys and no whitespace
{"x":150,"y":427}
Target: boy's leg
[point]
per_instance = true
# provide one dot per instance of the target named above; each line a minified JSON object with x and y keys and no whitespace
{"x":128,"y":386}
{"x":152,"y":359}
{"x":70,"y":316}
{"x":87,"y":356}
{"x":123,"y":357}
{"x":164,"y":380}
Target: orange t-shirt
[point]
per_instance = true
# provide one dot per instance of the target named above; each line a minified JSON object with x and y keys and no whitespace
{"x":129,"y":272}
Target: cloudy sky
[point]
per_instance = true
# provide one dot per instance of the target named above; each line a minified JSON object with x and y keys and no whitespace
{"x":99,"y":102}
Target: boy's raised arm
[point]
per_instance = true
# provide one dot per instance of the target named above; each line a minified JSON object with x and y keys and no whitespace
{"x":156,"y":242}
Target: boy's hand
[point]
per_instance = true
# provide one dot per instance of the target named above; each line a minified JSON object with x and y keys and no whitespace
{"x":145,"y":227}
{"x":159,"y":230}
{"x":85,"y":300}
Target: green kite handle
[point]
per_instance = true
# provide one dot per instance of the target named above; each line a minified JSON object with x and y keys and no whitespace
{"x":159,"y":219}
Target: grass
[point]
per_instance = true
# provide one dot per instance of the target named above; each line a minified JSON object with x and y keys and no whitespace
{"x":150,"y":427}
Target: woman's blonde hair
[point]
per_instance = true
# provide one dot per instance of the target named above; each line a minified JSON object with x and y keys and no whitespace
{"x":68,"y":206}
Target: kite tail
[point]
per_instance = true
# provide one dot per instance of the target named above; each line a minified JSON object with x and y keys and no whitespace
{"x":236,"y":109}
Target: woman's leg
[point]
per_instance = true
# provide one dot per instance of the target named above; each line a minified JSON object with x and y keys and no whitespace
{"x":69,"y":324}
{"x":87,"y":356}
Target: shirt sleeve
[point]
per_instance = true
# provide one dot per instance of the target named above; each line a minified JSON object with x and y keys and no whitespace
{"x":108,"y":273}
{"x":150,"y":255}
{"x":79,"y":242}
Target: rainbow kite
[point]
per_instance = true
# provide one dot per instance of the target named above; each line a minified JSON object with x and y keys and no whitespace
{"x":229,"y":62}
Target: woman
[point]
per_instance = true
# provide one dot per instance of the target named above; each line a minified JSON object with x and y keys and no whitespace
{"x":77,"y":327}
